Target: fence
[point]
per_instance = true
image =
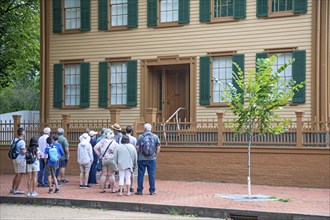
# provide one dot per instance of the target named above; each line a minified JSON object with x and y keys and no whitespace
{"x":216,"y":132}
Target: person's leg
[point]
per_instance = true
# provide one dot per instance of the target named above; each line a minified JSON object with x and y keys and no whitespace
{"x":29,"y":183}
{"x":92,"y":173}
{"x":121,"y":181}
{"x":81,"y":176}
{"x":21,"y":168}
{"x":141,"y":171}
{"x":128,"y":180}
{"x":34,"y":182}
{"x":151,"y":167}
{"x":86,"y":174}
{"x":41,"y":171}
{"x":112,"y":180}
{"x":103,"y":179}
{"x":15,"y":177}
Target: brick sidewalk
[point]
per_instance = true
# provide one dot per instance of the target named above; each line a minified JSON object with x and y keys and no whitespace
{"x":305,"y":201}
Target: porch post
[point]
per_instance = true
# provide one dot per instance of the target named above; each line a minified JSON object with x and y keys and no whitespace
{"x":115,"y":116}
{"x":151,"y":115}
{"x":65,"y":123}
{"x":17,"y":123}
{"x":299,"y":115}
{"x":220,"y":130}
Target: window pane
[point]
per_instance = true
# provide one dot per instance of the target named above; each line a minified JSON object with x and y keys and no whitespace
{"x":118,"y":83}
{"x":72,"y":14}
{"x":169,"y":10}
{"x":72,"y":85}
{"x":118,"y":12}
{"x":222,"y":71}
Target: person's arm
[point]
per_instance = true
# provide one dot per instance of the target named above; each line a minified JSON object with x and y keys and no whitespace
{"x":67,"y":152}
{"x":96,"y":149}
{"x":90,"y":152}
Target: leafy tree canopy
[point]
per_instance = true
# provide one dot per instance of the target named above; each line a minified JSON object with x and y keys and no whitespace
{"x":19,"y":41}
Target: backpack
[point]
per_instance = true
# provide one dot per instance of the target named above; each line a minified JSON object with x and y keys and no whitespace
{"x":30,"y":157}
{"x":12,"y":154}
{"x":53,"y":154}
{"x":148,"y":147}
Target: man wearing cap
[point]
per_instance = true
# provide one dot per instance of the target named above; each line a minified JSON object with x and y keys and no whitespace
{"x":117,"y":131}
{"x":64,"y":160}
{"x":42,"y":177}
{"x":92,"y":172}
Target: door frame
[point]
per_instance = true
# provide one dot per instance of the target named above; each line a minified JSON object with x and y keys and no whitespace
{"x":162,"y":61}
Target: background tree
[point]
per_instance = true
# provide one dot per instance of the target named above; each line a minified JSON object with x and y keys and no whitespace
{"x":19,"y":51}
{"x":263,"y":93}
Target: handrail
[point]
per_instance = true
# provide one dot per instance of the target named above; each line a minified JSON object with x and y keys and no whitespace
{"x":177,"y":120}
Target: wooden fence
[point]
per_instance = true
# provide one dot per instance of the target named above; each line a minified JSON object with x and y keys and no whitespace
{"x":216,"y":132}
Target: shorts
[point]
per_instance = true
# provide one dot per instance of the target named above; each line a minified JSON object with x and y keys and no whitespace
{"x":20,"y":165}
{"x":108,"y":164}
{"x":63,"y":163}
{"x":85,"y":168}
{"x":50,"y":170}
{"x":33,"y":168}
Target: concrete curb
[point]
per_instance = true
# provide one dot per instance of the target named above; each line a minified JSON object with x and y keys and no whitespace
{"x":162,"y":209}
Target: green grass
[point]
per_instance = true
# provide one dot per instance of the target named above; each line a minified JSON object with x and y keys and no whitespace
{"x":182,"y":213}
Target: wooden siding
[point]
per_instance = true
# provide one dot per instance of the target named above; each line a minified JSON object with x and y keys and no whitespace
{"x":248,"y":36}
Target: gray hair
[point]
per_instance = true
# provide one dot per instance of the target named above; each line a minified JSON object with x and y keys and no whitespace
{"x":147,"y":127}
{"x":60,"y":131}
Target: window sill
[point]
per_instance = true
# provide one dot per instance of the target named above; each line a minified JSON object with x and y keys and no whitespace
{"x":216,"y":21}
{"x":117,"y":107}
{"x":73,"y":108}
{"x":168,"y":25}
{"x":281,"y":15}
{"x":112,"y":29}
{"x":216,"y":105}
{"x":74,"y":31}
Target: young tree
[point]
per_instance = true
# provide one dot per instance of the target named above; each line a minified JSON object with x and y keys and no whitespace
{"x":256,"y":100}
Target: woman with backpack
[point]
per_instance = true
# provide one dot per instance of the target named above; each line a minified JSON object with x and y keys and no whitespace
{"x":32,"y":159}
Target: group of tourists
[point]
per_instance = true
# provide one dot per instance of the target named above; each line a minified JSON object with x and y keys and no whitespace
{"x":113,"y":152}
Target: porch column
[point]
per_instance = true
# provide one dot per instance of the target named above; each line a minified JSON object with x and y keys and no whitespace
{"x":299,"y":115}
{"x":220,"y":130}
{"x":65,"y":123}
{"x":115,"y":115}
{"x":17,"y":123}
{"x":151,"y":115}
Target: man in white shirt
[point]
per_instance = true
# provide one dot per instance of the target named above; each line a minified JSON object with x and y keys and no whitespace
{"x":42,"y":177}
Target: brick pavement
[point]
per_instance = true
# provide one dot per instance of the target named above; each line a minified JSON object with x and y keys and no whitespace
{"x":306,"y":201}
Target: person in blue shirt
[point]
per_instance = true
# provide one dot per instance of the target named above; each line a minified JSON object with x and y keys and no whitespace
{"x":51,"y":166}
{"x":92,"y":172}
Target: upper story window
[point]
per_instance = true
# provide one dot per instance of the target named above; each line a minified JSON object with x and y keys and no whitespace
{"x":169,"y":10}
{"x":117,"y":14}
{"x":165,"y":13}
{"x":118,"y":83}
{"x":71,"y":84}
{"x":221,"y":10}
{"x":280,"y":8}
{"x":216,"y":75}
{"x":71,"y":15}
{"x":222,"y":71}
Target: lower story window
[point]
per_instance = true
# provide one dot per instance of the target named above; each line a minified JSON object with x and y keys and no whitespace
{"x":72,"y":85}
{"x":285,"y":75}
{"x":118,"y":83}
{"x":222,"y":71}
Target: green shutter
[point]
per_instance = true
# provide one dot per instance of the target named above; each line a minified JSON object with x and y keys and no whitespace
{"x":300,"y":6}
{"x":204,"y":80}
{"x":103,"y":14}
{"x":84,"y":84}
{"x":85,"y":15}
{"x":57,"y":16}
{"x":184,"y":11}
{"x":58,"y":85}
{"x":132,"y":17}
{"x":152,"y":14}
{"x":132,"y":83}
{"x":103,"y":84}
{"x":204,"y":10}
{"x":260,"y":56}
{"x":239,"y":9}
{"x":239,"y":59}
{"x":299,"y":74}
{"x":262,"y":8}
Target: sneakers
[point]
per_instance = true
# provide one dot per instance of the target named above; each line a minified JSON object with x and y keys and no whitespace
{"x":138,"y":193}
{"x":88,"y":186}
{"x":11,"y":191}
{"x":152,"y":193}
{"x":82,"y":187}
{"x":50,"y":190}
{"x":17,"y":191}
{"x":131,"y":190}
{"x":57,"y":190}
{"x":64,"y":181}
{"x":29,"y":194}
{"x":34,"y":194}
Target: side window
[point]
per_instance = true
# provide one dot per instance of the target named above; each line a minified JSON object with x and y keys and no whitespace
{"x":221,"y":10}
{"x":280,"y":8}
{"x":117,"y":14}
{"x":282,"y":58}
{"x":71,"y":15}
{"x":118,"y":83}
{"x":167,"y":12}
{"x":71,"y":85}
{"x":222,"y":71}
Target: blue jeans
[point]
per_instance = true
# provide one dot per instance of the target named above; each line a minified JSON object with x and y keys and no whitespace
{"x":42,"y":173}
{"x":151,"y":168}
{"x":92,"y":172}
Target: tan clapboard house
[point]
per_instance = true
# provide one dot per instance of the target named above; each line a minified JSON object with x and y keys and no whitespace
{"x":134,"y":55}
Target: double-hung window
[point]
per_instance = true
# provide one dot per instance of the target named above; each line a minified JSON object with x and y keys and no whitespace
{"x":71,"y":84}
{"x":280,"y":8}
{"x":118,"y":83}
{"x":117,"y":14}
{"x":296,"y":71}
{"x":216,"y":74}
{"x":71,"y":15}
{"x":221,"y":10}
{"x":164,"y":13}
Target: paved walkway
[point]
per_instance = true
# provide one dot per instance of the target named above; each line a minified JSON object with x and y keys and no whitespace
{"x":172,"y":195}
